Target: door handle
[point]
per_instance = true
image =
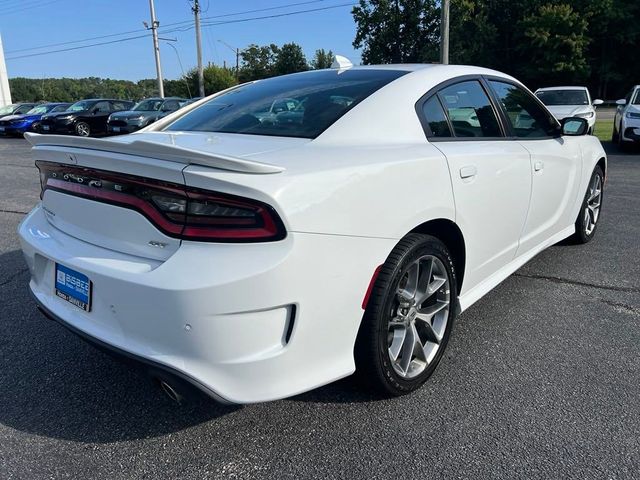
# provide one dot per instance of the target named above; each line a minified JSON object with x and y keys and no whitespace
{"x":468,"y":171}
{"x":538,"y":166}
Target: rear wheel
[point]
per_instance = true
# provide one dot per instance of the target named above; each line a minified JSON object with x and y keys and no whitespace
{"x":408,"y":320}
{"x":83,"y":129}
{"x":587,"y":221}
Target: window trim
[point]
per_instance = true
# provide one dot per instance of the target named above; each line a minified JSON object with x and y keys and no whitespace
{"x":499,"y":110}
{"x":505,"y":115}
{"x":447,"y":83}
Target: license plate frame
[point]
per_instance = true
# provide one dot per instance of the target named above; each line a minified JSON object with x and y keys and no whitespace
{"x":73,"y":287}
{"x":116,"y":129}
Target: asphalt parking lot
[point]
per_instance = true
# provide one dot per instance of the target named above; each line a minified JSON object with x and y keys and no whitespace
{"x":541,"y":380}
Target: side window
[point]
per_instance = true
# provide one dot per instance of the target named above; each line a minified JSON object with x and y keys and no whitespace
{"x":116,"y":106}
{"x":102,"y":107}
{"x":469,"y":110}
{"x":170,"y":105}
{"x":23,"y":109}
{"x":528,"y":118}
{"x":436,"y":118}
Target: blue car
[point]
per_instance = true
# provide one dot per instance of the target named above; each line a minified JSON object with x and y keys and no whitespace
{"x":19,"y":124}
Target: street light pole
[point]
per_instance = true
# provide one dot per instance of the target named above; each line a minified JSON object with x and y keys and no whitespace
{"x":196,"y":12}
{"x":156,"y":47}
{"x":444,"y":32}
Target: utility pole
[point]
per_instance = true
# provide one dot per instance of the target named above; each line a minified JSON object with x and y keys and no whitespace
{"x":237,"y":51}
{"x":196,"y":12}
{"x":444,"y":32}
{"x":156,"y":47}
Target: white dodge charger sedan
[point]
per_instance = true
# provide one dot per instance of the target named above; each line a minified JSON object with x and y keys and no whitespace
{"x":257,"y":254}
{"x":566,"y":102}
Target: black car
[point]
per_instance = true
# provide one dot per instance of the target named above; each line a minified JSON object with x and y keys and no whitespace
{"x":16,"y":109}
{"x":83,"y":118}
{"x":144,"y":113}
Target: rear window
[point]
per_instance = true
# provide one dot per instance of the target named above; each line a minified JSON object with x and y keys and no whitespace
{"x":299,"y":105}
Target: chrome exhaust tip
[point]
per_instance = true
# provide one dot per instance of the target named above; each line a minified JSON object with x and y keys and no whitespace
{"x":170,"y":391}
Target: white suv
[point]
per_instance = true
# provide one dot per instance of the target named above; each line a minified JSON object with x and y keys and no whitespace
{"x":566,"y":102}
{"x":626,"y":124}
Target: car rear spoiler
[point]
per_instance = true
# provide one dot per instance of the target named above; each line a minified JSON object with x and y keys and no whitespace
{"x":160,"y":151}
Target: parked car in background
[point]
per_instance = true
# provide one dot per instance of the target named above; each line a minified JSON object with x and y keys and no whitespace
{"x":626,"y":123}
{"x":16,"y":109}
{"x":566,"y":102}
{"x":83,"y":118}
{"x":257,"y":260}
{"x":19,"y":124}
{"x":144,"y":113}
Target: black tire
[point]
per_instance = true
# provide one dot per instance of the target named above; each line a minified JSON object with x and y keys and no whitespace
{"x":82,"y":129}
{"x":373,"y":363}
{"x":615,"y":135}
{"x":581,"y":236}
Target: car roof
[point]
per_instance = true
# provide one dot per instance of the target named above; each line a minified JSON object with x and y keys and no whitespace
{"x":545,"y":89}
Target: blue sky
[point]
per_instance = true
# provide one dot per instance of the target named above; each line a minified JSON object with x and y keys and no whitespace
{"x":25,"y":24}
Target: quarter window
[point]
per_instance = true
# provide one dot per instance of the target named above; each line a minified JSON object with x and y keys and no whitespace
{"x":527,"y":117}
{"x":436,"y":118}
{"x":469,"y":110}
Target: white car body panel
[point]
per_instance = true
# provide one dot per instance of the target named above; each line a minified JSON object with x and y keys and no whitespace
{"x":502,"y":177}
{"x":221,"y":313}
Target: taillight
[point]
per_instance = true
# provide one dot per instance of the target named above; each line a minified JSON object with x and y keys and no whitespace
{"x":176,"y":210}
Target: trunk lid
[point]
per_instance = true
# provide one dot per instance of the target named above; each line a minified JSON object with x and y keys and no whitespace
{"x":155,"y":156}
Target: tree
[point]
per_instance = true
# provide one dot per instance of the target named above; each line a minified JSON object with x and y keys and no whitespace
{"x":554,"y":40}
{"x":472,"y":35}
{"x":215,"y":79}
{"x":258,"y":62}
{"x":321,"y":59}
{"x":397,"y":31}
{"x":290,"y":59}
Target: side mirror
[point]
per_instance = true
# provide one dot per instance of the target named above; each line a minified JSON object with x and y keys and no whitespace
{"x":574,"y":126}
{"x":597,"y":101}
{"x":95,"y":110}
{"x":622,"y":101}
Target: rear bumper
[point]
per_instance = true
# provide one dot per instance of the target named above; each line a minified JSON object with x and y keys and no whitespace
{"x":129,"y":357}
{"x":243,"y":322}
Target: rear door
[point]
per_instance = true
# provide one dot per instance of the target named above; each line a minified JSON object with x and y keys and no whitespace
{"x":490,"y":174}
{"x":98,"y":118}
{"x":556,"y":163}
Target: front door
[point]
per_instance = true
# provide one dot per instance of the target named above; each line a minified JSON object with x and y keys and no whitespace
{"x":556,"y":164}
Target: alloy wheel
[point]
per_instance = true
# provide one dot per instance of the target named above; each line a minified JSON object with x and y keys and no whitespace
{"x":592,"y":207}
{"x":419,"y":316}
{"x":83,"y":129}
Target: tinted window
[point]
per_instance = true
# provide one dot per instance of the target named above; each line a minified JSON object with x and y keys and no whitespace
{"x":117,"y":106}
{"x":101,"y":107}
{"x":170,"y":105}
{"x":469,"y":110}
{"x":436,"y":118}
{"x":636,"y":99}
{"x":299,"y":105}
{"x":528,"y":118}
{"x":23,"y":109}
